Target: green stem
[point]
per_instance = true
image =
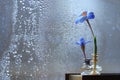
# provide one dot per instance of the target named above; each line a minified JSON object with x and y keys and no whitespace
{"x":95,"y":53}
{"x":95,"y":46}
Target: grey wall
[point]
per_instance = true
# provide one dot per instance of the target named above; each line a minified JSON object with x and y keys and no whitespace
{"x":37,"y":37}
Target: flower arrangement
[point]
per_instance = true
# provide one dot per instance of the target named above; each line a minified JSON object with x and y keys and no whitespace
{"x":85,"y":16}
{"x":82,"y":44}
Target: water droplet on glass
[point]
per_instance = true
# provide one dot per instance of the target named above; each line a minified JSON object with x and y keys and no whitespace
{"x":31,"y":75}
{"x":29,"y":61}
{"x":14,"y":52}
{"x":15,"y":56}
{"x":21,"y":1}
{"x":7,"y":71}
{"x":20,"y":55}
{"x":30,"y":12}
{"x":23,"y":7}
{"x":27,"y":51}
{"x":31,"y":58}
{"x":25,"y":72}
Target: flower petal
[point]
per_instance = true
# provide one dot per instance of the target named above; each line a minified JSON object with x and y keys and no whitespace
{"x":80,"y":19}
{"x":81,"y":42}
{"x":78,"y":43}
{"x":90,"y":15}
{"x":87,"y":42}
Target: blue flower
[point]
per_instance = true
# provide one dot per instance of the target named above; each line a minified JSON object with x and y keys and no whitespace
{"x":85,"y":16}
{"x":82,"y":44}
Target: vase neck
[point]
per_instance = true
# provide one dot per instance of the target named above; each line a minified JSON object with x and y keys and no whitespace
{"x":87,"y":61}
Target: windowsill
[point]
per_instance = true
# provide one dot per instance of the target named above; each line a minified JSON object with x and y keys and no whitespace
{"x":103,"y":76}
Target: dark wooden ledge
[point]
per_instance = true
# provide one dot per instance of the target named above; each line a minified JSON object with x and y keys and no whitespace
{"x":103,"y":76}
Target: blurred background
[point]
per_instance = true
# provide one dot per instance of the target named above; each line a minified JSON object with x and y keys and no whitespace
{"x":37,"y":37}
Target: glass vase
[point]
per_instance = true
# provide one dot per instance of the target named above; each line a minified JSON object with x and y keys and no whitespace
{"x":96,"y":69}
{"x":86,"y":67}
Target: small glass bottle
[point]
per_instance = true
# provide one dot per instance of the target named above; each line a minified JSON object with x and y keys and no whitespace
{"x":96,"y":69}
{"x":86,"y":67}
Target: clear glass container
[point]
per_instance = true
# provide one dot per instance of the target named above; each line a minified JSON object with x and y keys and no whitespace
{"x":96,"y":69}
{"x":86,"y":67}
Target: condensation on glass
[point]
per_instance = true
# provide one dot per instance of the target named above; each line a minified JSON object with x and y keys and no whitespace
{"x":37,"y":37}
